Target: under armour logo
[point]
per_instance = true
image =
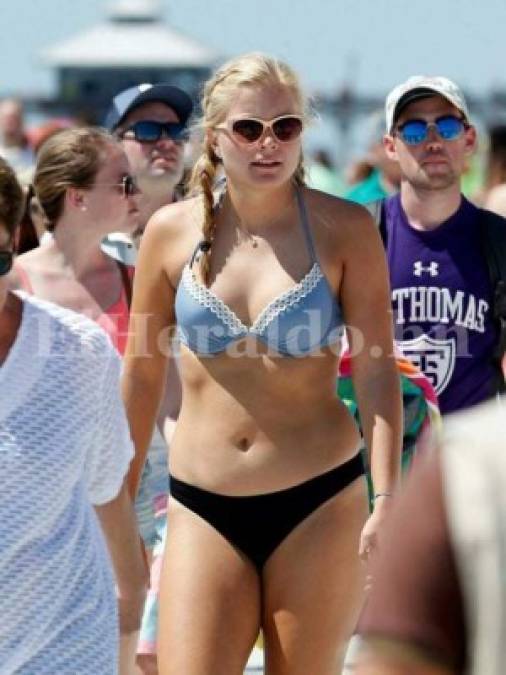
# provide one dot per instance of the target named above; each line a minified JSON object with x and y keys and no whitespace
{"x":419,"y":269}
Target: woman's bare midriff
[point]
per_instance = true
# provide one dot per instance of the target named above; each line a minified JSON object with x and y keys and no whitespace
{"x":259,"y":423}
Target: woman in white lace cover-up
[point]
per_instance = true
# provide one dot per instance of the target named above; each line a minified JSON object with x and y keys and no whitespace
{"x":268,"y":504}
{"x":64,"y":454}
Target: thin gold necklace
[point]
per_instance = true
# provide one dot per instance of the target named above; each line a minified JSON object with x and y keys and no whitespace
{"x":248,"y":236}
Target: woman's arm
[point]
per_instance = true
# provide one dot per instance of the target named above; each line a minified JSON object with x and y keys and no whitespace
{"x":148,"y":347}
{"x":119,"y":525}
{"x":365,"y":298}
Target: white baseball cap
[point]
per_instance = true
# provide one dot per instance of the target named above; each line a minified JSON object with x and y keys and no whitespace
{"x":422,"y":86}
{"x":120,"y":247}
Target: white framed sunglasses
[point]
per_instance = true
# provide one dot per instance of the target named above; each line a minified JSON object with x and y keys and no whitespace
{"x":248,"y":130}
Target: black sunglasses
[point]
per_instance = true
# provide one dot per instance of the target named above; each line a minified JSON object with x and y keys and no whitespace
{"x":6,"y":260}
{"x":129,"y":186}
{"x":149,"y":131}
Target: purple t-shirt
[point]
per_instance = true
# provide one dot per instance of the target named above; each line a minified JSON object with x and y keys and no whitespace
{"x":442,"y":302}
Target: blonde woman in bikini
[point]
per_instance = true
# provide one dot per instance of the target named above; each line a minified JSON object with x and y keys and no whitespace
{"x":268,"y":510}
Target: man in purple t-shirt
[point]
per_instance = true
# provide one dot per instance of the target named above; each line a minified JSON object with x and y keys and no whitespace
{"x":441,"y":291}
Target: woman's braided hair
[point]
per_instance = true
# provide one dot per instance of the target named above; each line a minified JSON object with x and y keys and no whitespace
{"x":249,"y":69}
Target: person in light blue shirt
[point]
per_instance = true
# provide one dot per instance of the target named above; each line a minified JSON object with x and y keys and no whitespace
{"x":384,"y":177}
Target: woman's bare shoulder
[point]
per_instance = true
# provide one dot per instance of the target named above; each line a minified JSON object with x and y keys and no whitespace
{"x":337,"y":220}
{"x":34,"y":264}
{"x":171,"y":236}
{"x":32,"y":258}
{"x":177,"y":221}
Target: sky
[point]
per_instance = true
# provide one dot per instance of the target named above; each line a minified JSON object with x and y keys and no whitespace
{"x":373,"y":43}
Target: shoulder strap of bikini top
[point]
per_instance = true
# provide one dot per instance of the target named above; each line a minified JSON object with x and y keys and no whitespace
{"x":304,"y":220}
{"x":197,"y":248}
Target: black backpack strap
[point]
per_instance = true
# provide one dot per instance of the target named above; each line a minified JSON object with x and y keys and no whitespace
{"x":378,"y":212}
{"x":493,"y":237}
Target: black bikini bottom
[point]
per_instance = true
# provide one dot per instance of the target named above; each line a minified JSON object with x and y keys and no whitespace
{"x":257,"y":524}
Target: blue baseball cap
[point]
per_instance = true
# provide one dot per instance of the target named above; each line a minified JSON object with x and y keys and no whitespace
{"x":130,"y":98}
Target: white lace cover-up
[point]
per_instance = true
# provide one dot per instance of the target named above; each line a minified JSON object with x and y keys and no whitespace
{"x":64,"y":446}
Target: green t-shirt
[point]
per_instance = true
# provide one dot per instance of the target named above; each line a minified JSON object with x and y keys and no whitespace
{"x":368,"y":190}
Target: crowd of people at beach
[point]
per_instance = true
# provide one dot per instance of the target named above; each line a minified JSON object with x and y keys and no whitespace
{"x":244,"y":395}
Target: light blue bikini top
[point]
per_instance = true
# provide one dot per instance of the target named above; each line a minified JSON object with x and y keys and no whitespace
{"x":296,"y":323}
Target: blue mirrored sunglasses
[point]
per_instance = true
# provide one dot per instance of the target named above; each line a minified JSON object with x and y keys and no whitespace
{"x":6,"y":259}
{"x":448,"y":128}
{"x":149,"y":131}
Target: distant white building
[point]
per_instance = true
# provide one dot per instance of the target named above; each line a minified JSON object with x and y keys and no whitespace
{"x":131,"y":46}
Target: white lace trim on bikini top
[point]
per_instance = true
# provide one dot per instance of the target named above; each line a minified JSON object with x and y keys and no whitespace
{"x":205,"y":297}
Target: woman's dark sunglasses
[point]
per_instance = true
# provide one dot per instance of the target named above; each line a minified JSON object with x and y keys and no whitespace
{"x":285,"y":129}
{"x":448,"y":128}
{"x":148,"y":131}
{"x":6,"y":259}
{"x":127,"y":184}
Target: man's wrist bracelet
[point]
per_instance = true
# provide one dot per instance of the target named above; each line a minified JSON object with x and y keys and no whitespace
{"x":383,"y":494}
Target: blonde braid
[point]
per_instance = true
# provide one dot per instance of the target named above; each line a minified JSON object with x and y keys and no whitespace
{"x":299,"y":177}
{"x":202,"y":179}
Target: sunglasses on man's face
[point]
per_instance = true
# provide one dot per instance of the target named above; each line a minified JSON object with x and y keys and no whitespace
{"x":6,"y":260}
{"x":448,"y":127}
{"x":149,"y":131}
{"x":285,"y":129}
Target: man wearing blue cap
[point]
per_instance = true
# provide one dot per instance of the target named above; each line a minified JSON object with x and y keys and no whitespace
{"x":151,"y":121}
